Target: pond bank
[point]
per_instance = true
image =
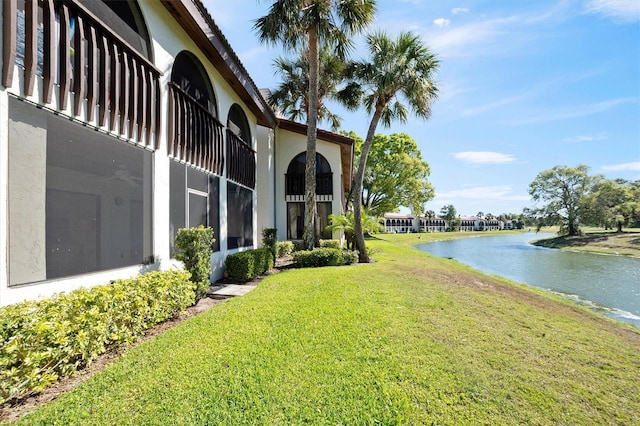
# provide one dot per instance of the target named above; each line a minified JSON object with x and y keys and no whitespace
{"x":613,"y":243}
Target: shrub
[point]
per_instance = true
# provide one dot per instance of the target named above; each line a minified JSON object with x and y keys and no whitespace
{"x":284,"y":248}
{"x":194,"y":249}
{"x":336,"y":244}
{"x":246,"y":265}
{"x":43,"y":340}
{"x":349,"y":257}
{"x":270,"y":240}
{"x":318,"y":257}
{"x":299,"y":246}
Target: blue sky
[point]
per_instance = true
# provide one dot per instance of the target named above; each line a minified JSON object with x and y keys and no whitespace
{"x":524,"y":86}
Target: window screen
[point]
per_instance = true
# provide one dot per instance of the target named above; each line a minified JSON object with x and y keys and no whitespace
{"x":239,"y":216}
{"x":79,"y":200}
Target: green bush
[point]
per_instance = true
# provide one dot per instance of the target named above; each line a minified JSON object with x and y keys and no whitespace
{"x":318,"y":257}
{"x":336,"y":244}
{"x":246,"y":265}
{"x":349,"y":257}
{"x":325,"y":256}
{"x":43,"y":340}
{"x":284,"y":248}
{"x":299,"y":246}
{"x":194,"y":249}
{"x":270,"y":240}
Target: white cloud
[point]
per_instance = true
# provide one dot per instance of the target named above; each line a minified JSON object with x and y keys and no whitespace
{"x":484,"y":157}
{"x":495,"y":192}
{"x":459,"y":10}
{"x":618,"y":10}
{"x":586,"y":138}
{"x":441,"y":22}
{"x":625,"y":167}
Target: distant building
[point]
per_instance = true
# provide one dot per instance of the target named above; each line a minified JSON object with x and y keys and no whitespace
{"x":401,"y":223}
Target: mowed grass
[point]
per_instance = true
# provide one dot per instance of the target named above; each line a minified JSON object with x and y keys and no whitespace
{"x":410,"y":339}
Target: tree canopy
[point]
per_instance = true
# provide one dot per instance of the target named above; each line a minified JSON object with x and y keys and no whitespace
{"x":396,"y":175}
{"x":562,"y":190}
{"x":450,"y":214}
{"x":291,"y":97}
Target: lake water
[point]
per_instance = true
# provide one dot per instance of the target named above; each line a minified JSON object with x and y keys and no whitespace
{"x":610,"y":284}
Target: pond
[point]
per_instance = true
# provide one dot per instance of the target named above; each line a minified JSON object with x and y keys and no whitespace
{"x":610,"y":284}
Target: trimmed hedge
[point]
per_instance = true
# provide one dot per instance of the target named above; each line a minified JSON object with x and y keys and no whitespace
{"x":43,"y":340}
{"x":336,"y":244}
{"x":324,"y":257}
{"x":246,"y":265}
{"x":284,"y":248}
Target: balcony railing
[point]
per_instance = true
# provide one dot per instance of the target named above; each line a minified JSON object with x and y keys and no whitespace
{"x":195,"y":135}
{"x":92,"y":67}
{"x":295,"y":184}
{"x":241,"y":161}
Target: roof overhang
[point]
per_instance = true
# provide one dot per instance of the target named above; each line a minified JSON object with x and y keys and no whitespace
{"x":194,"y":18}
{"x":345,"y":143}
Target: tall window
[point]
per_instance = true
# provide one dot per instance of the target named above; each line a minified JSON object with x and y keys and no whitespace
{"x":195,"y":134}
{"x":295,"y":220}
{"x":194,"y":200}
{"x":241,"y":158}
{"x":79,"y":200}
{"x":239,"y":216}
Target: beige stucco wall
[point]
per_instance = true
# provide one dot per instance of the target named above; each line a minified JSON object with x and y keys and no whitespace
{"x":288,"y":146}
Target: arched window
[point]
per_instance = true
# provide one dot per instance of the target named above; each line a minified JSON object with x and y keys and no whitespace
{"x":241,"y":158}
{"x":295,"y":180}
{"x":238,"y":124}
{"x":195,"y":134}
{"x":125,"y":19}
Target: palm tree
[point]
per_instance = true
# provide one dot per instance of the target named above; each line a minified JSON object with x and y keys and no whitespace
{"x":291,"y":97}
{"x":400,"y":69}
{"x":345,"y":222}
{"x":308,"y":24}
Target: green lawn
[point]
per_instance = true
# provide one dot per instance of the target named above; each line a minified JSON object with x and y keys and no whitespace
{"x":410,"y":339}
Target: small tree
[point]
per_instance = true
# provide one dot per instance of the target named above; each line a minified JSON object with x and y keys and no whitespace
{"x":194,"y":249}
{"x":564,"y":190}
{"x":345,"y":222}
{"x":270,"y":240}
{"x":450,"y":215}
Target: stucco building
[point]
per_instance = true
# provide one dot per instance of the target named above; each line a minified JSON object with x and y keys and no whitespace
{"x":123,"y":121}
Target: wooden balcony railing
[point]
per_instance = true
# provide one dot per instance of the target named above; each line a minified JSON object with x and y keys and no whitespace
{"x":295,"y":184}
{"x":92,"y":66}
{"x":195,"y":135}
{"x":241,"y":161}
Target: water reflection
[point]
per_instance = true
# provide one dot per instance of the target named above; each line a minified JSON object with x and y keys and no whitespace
{"x":610,"y":283}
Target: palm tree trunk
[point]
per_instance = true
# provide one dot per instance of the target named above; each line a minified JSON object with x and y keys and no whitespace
{"x":363,"y":257}
{"x":310,"y":218}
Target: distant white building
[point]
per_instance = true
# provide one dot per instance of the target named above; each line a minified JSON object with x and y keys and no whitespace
{"x":401,"y":223}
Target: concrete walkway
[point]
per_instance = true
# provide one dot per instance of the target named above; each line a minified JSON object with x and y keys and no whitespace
{"x":226,"y":291}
